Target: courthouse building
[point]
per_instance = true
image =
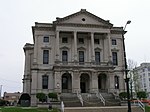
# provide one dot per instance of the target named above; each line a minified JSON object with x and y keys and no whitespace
{"x":79,"y":53}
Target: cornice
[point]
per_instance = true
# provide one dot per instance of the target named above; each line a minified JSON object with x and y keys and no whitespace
{"x":43,"y":28}
{"x":83,"y":25}
{"x":28,"y":46}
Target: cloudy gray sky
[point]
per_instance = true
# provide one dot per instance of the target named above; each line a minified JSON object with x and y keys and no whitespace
{"x":17,"y":17}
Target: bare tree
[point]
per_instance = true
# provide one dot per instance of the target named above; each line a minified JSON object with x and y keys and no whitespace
{"x":134,"y":82}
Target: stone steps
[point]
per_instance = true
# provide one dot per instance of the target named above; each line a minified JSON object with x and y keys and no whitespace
{"x":110,"y":99}
{"x":103,"y":109}
{"x":70,"y":100}
{"x":90,"y":100}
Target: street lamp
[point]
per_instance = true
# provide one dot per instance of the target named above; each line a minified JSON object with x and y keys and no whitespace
{"x":126,"y":77}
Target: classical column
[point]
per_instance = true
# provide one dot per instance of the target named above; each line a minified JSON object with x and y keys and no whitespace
{"x":76,"y":82}
{"x":57,"y":46}
{"x":109,"y":47}
{"x":75,"y":46}
{"x":92,"y":47}
{"x":57,"y":82}
{"x":34,"y":87}
{"x":94,"y":86}
{"x":110,"y":82}
{"x":35,"y":50}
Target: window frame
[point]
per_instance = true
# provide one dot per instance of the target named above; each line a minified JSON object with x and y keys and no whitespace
{"x":81,"y":40}
{"x":44,"y":82}
{"x":64,"y":40}
{"x":81,"y":57}
{"x":97,"y":41}
{"x":45,"y":56}
{"x":115,"y":58}
{"x":46,"y":39}
{"x":116,"y":80}
{"x":64,"y":56}
{"x":113,"y":41}
{"x":97,"y":60}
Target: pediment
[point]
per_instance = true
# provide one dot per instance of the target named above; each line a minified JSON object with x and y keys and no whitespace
{"x":81,"y":48}
{"x":64,"y":47}
{"x":83,"y":17}
{"x":97,"y":49}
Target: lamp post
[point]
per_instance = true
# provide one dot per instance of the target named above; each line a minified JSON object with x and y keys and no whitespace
{"x":126,"y":77}
{"x":0,"y":91}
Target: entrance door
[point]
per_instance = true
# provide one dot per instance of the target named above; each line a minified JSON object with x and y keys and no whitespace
{"x":102,"y":82}
{"x":83,"y":87}
{"x":66,"y":83}
{"x":84,"y":83}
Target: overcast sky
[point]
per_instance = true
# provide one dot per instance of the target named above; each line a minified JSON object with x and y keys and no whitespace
{"x":17,"y":17}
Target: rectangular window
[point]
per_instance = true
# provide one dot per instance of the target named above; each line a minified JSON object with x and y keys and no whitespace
{"x":143,"y":69}
{"x":116,"y":82}
{"x":96,"y":41}
{"x":46,"y":39}
{"x":114,"y":58}
{"x":45,"y":56}
{"x":81,"y":40}
{"x":144,"y":84}
{"x":97,"y":57}
{"x":45,"y":82}
{"x":64,"y":40}
{"x":148,"y":68}
{"x":114,"y":42}
{"x":64,"y":56}
{"x":81,"y":57}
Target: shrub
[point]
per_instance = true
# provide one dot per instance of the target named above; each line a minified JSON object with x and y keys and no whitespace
{"x":123,"y":95}
{"x":41,"y":97}
{"x":3,"y":102}
{"x":141,"y":94}
{"x":53,"y":96}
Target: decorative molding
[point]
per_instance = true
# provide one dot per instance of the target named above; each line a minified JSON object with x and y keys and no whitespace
{"x":46,"y":47}
{"x":81,"y":48}
{"x":97,"y":49}
{"x":64,"y":47}
{"x":43,"y":28}
{"x":115,"y":49}
{"x":82,"y":25}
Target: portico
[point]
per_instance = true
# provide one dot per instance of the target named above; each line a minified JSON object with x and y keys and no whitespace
{"x":89,"y":38}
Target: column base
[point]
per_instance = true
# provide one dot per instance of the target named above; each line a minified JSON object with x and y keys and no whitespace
{"x":76,"y":90}
{"x":94,"y":90}
{"x":57,"y":90}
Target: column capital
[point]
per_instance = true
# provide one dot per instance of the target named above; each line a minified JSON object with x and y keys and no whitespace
{"x":74,"y":31}
{"x":57,"y":30}
{"x":92,"y":33}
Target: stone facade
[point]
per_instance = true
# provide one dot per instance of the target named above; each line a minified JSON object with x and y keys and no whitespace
{"x":143,"y":78}
{"x":78,"y":53}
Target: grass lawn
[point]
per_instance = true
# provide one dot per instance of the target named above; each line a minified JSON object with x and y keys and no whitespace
{"x":25,"y":109}
{"x":147,"y":108}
